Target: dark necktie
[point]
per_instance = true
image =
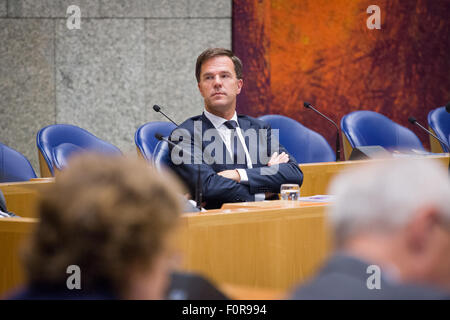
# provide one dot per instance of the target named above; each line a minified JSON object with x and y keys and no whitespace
{"x":237,"y":145}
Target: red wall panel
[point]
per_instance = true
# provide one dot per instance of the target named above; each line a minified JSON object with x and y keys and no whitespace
{"x":322,"y":52}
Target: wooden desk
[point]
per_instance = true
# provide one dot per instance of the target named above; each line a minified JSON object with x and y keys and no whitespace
{"x":317,"y":176}
{"x":13,"y":231}
{"x":21,"y":197}
{"x":273,"y":246}
{"x":270,"y":248}
{"x":265,"y":245}
{"x":236,"y":292}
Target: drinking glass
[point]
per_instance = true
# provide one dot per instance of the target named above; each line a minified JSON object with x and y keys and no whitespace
{"x":290,"y":192}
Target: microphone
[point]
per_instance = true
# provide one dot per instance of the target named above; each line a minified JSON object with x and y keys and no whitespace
{"x":158,"y":109}
{"x":338,"y":141}
{"x":414,"y":121}
{"x":198,"y":185}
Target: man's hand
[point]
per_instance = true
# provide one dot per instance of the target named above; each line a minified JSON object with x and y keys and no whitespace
{"x":278,"y":158}
{"x":271,"y":196}
{"x":230,"y":174}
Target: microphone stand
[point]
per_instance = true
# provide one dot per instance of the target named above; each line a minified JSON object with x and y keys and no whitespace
{"x":414,"y":121}
{"x":338,"y":140}
{"x":158,"y":109}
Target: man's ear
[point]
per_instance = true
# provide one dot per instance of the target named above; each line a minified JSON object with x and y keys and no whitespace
{"x":240,"y":84}
{"x":419,"y":231}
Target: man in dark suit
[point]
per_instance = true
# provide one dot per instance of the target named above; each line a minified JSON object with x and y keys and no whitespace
{"x":239,"y":157}
{"x":344,"y":277}
{"x":391,"y":226}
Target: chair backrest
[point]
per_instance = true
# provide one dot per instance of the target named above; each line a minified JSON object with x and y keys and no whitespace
{"x":439,"y":122}
{"x":161,"y":155}
{"x":145,"y":136}
{"x":304,"y":144}
{"x":369,"y":128}
{"x":58,"y":142}
{"x":14,"y":166}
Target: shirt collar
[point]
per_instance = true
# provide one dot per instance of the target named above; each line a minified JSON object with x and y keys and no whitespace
{"x":219,"y":121}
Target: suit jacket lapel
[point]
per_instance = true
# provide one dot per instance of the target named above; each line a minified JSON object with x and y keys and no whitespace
{"x":245,"y":125}
{"x":207,"y":125}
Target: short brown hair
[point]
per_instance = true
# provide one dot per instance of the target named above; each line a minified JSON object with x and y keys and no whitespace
{"x":103,"y":214}
{"x":217,"y":52}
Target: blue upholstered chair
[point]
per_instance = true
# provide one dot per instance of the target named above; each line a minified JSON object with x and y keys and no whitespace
{"x":145,"y":136}
{"x":161,"y":155}
{"x":369,"y":128}
{"x":14,"y":166}
{"x":439,"y":122}
{"x":304,"y":144}
{"x":57,"y":142}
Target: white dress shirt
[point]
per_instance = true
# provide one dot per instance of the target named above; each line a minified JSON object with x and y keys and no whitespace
{"x":226,"y":135}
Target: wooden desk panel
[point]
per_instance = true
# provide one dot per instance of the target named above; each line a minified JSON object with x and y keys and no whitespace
{"x":236,"y":292}
{"x":13,"y":231}
{"x":270,"y":248}
{"x":269,"y":245}
{"x":22,"y":197}
{"x":317,"y":176}
{"x":266,"y":248}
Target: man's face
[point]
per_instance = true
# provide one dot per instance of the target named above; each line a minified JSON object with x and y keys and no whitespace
{"x":219,"y":86}
{"x":428,"y":247}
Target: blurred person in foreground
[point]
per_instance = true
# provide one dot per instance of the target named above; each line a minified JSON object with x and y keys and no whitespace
{"x":391,"y":227}
{"x":114,"y":218}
